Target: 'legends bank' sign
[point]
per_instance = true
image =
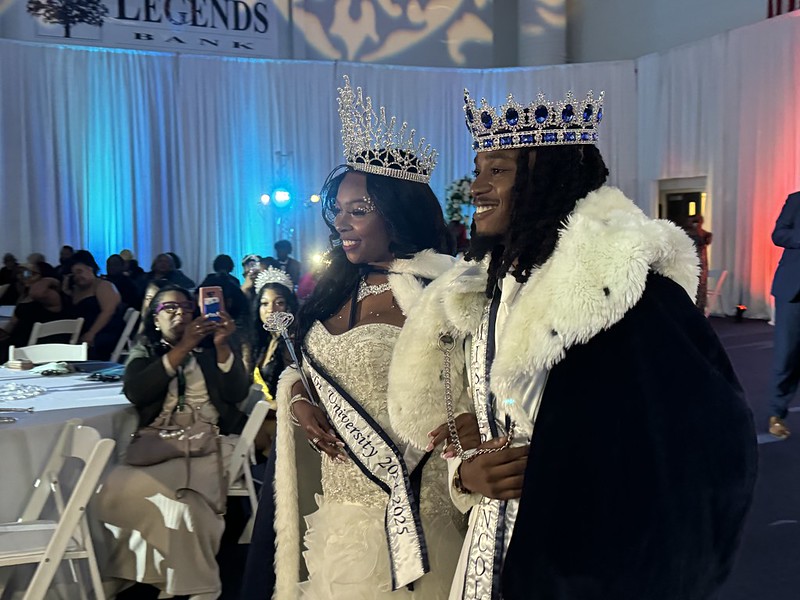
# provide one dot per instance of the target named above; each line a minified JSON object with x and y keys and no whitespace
{"x":239,"y":27}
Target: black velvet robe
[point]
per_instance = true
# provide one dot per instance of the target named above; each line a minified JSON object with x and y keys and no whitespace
{"x":642,"y":464}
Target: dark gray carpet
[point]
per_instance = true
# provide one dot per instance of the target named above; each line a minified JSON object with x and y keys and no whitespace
{"x":768,"y":567}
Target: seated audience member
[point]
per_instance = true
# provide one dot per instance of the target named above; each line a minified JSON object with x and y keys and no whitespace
{"x":178,"y":277}
{"x":284,"y":262}
{"x":167,"y":519}
{"x":223,"y":265}
{"x":97,"y":301}
{"x":35,"y":258}
{"x":163,"y":267}
{"x":115,"y":273}
{"x":150,"y":290}
{"x":274,"y":294}
{"x":64,"y":257}
{"x":252,"y":265}
{"x":41,"y":302}
{"x":131,"y":268}
{"x":9,"y":275}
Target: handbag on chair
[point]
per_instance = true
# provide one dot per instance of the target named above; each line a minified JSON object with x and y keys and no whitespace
{"x":180,"y":435}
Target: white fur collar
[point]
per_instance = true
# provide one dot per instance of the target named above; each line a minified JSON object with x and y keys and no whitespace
{"x":596,"y":274}
{"x":405,"y":273}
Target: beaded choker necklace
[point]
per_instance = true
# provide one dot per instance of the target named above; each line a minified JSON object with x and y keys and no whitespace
{"x":365,"y":289}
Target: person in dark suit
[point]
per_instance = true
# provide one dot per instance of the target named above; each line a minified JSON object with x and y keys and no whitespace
{"x":786,"y":289}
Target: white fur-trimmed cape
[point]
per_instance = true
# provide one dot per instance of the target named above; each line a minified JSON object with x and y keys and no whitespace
{"x":595,"y":275}
{"x":405,"y":277}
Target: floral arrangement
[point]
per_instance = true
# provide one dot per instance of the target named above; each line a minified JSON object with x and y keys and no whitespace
{"x":458,"y":198}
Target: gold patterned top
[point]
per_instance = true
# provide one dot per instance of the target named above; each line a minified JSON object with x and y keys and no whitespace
{"x":359,"y":360}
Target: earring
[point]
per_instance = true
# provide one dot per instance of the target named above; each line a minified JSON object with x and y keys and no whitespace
{"x":158,"y":328}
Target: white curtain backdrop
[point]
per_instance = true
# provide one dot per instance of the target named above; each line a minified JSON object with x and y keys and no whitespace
{"x":725,"y":108}
{"x":108,"y":149}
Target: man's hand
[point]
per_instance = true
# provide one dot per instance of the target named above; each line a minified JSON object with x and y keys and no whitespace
{"x":497,"y":475}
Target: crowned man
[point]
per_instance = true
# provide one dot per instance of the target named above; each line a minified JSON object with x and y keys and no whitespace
{"x":616,"y":454}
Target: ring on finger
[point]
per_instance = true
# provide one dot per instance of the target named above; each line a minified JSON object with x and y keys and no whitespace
{"x":316,"y":440}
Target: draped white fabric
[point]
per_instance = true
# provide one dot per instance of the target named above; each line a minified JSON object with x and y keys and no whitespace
{"x":725,"y":108}
{"x":109,"y":149}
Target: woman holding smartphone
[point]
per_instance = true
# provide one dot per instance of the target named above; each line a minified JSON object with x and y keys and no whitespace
{"x":167,"y":533}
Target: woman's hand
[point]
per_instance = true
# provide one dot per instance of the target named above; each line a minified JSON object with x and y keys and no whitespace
{"x":196,"y":331}
{"x":318,"y":430}
{"x":223,"y":328}
{"x":468,"y":434}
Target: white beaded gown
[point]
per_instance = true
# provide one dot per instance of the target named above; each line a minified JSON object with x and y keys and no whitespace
{"x":345,"y":542}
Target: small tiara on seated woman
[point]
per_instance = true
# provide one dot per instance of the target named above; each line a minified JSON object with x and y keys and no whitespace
{"x":273,"y":275}
{"x":374,"y":144}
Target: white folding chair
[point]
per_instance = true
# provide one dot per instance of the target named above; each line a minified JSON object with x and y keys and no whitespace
{"x":714,"y":297}
{"x":240,"y":478}
{"x":45,"y":353}
{"x":31,"y":540}
{"x":124,"y":343}
{"x":71,"y":327}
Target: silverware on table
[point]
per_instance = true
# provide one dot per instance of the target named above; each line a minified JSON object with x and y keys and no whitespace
{"x":25,"y":410}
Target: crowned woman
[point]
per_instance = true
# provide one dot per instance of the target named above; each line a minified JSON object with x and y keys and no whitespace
{"x":378,"y":520}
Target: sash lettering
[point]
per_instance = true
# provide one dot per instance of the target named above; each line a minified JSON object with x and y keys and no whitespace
{"x":379,"y":459}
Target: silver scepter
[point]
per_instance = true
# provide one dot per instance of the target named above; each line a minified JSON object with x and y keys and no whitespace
{"x":279,"y":323}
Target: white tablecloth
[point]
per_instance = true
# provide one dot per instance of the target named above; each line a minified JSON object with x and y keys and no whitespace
{"x":26,"y":444}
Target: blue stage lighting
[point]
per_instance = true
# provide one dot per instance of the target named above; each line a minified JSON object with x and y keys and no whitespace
{"x":282,"y":197}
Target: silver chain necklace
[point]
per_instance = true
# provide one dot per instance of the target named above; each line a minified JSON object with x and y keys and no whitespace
{"x":365,"y":289}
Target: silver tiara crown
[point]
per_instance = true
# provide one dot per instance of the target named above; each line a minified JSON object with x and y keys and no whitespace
{"x":375,"y":145}
{"x":273,"y":275}
{"x":540,"y":123}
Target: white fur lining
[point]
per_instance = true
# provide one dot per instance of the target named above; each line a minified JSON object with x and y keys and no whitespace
{"x":287,"y":513}
{"x":596,"y":274}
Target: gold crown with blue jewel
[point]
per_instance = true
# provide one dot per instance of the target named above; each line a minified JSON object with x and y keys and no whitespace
{"x":374,"y":144}
{"x":540,"y":123}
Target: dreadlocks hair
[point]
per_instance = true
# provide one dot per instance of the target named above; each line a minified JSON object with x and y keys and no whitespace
{"x":541,"y":200}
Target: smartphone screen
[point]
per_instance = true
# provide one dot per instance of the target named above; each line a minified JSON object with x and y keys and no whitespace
{"x":211,"y":303}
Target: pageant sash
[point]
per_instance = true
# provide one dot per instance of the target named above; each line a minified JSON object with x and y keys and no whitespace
{"x":374,"y":452}
{"x":494,"y":521}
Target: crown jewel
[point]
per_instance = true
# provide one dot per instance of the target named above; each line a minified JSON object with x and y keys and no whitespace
{"x":273,"y":275}
{"x":540,"y":123}
{"x":375,"y":145}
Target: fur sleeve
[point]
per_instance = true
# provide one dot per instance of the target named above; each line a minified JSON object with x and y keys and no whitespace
{"x":416,"y":386}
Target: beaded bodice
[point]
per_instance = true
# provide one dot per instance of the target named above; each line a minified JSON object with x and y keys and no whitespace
{"x":359,"y":360}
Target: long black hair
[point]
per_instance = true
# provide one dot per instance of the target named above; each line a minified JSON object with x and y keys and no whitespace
{"x":414,"y":222}
{"x":541,"y":200}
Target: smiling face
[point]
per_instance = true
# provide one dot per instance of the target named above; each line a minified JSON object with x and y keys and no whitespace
{"x":495,"y":173}
{"x":362,"y":229}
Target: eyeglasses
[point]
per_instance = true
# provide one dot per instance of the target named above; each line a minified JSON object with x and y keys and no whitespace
{"x":172,"y":308}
